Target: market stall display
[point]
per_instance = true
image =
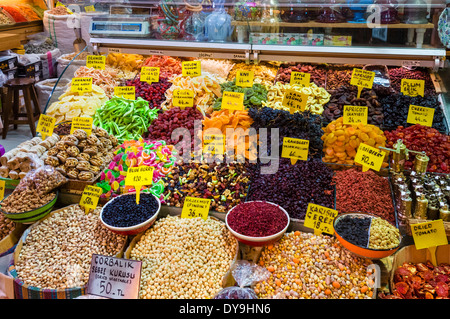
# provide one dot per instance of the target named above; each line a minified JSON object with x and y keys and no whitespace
{"x":153,"y":92}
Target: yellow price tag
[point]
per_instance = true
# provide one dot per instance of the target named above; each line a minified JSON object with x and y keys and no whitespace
{"x":97,"y":62}
{"x":138,"y":177}
{"x":232,"y":101}
{"x":82,"y":123}
{"x":89,"y":8}
{"x":195,"y":207}
{"x":369,"y":157}
{"x":420,"y":115}
{"x":300,"y":78}
{"x":429,"y":234}
{"x":2,"y":189}
{"x":183,"y":98}
{"x":81,"y":85}
{"x":362,"y":79}
{"x":213,"y":144}
{"x":45,"y":125}
{"x":59,"y":4}
{"x":355,"y":114}
{"x":294,"y":100}
{"x":244,"y":78}
{"x":126,"y":92}
{"x":295,"y":149}
{"x":191,"y":68}
{"x":320,"y":218}
{"x":89,"y":198}
{"x":412,"y":87}
{"x":150,"y":74}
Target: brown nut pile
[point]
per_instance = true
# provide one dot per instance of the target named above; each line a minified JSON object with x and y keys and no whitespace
{"x":57,"y":252}
{"x":6,"y":226}
{"x":383,"y":235}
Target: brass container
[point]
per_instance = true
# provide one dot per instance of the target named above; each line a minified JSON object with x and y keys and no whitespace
{"x":444,"y":214}
{"x":421,"y":209}
{"x":421,"y":163}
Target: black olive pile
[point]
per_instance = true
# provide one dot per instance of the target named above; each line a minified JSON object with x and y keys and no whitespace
{"x":354,"y":229}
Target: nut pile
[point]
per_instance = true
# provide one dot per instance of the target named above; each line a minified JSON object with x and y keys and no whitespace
{"x":58,"y":250}
{"x":6,"y":226}
{"x":184,"y":258}
{"x":306,"y":266}
{"x":383,"y":235}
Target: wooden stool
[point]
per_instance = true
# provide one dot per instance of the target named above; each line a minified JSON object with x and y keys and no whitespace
{"x":11,"y":106}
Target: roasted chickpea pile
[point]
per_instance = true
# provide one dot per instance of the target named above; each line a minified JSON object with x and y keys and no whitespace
{"x":383,"y":235}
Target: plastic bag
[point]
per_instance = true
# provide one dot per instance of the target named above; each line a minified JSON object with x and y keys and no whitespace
{"x":246,"y":275}
{"x":43,"y":180}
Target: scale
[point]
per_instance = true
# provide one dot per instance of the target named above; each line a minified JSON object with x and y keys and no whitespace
{"x":121,"y":25}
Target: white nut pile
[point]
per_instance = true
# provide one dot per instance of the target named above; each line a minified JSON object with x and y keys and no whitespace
{"x":184,"y":258}
{"x":57,"y":252}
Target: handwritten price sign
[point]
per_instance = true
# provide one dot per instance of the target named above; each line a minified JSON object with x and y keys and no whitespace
{"x":45,"y":125}
{"x":295,"y":149}
{"x":90,"y":197}
{"x":369,"y":157}
{"x":412,"y":87}
{"x":420,"y":115}
{"x":244,"y":78}
{"x":138,"y":177}
{"x":232,"y":101}
{"x":295,"y":101}
{"x":97,"y":62}
{"x":81,"y":85}
{"x":362,"y":79}
{"x":320,"y":218}
{"x":183,"y":98}
{"x":149,"y":74}
{"x":191,"y":68}
{"x":355,"y":114}
{"x":300,"y":78}
{"x":195,"y":207}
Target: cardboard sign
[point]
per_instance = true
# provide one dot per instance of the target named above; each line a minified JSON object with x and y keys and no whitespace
{"x":126,"y":92}
{"x":89,"y":198}
{"x":213,"y":144}
{"x":295,"y":100}
{"x":232,"y":101}
{"x":82,"y":123}
{"x":244,"y":78}
{"x":300,"y":78}
{"x":45,"y":125}
{"x":114,"y":278}
{"x":295,"y":149}
{"x":429,"y":234}
{"x":149,"y":74}
{"x":320,"y":218}
{"x":183,"y":98}
{"x":355,"y":114}
{"x":362,"y":79}
{"x":412,"y":87}
{"x":81,"y":85}
{"x":138,"y":177}
{"x":195,"y":207}
{"x":369,"y":157}
{"x":2,"y":189}
{"x":97,"y":62}
{"x":420,"y":115}
{"x":191,"y":68}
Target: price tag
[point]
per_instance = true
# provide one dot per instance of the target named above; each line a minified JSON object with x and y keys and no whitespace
{"x":412,"y":87}
{"x":81,"y":85}
{"x":89,"y":8}
{"x":295,"y":149}
{"x":138,"y":177}
{"x":369,"y":157}
{"x":213,"y":144}
{"x":300,"y":78}
{"x":295,"y":101}
{"x":205,"y":55}
{"x":45,"y":125}
{"x":232,"y":101}
{"x":82,"y":123}
{"x":420,"y":115}
{"x":114,"y":50}
{"x":429,"y":234}
{"x":320,"y":218}
{"x":149,"y":74}
{"x":114,"y":278}
{"x":245,"y":78}
{"x":183,"y":98}
{"x":191,"y":68}
{"x":97,"y":62}
{"x":362,"y":79}
{"x":195,"y":207}
{"x":2,"y":189}
{"x":126,"y":92}
{"x":89,"y":198}
{"x":355,"y":114}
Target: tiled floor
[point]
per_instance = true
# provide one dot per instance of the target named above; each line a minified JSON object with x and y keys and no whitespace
{"x":15,"y":137}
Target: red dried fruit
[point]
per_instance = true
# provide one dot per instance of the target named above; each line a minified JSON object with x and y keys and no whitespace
{"x":402,"y":287}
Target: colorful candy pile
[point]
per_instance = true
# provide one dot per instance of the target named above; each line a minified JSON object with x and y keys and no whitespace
{"x":135,"y":153}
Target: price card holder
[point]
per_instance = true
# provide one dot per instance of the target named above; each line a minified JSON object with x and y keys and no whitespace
{"x":429,"y":235}
{"x":355,"y":114}
{"x":183,"y":98}
{"x":232,"y":101}
{"x":412,"y":87}
{"x":82,"y":123}
{"x":2,"y":189}
{"x":320,"y":218}
{"x":191,"y":68}
{"x":81,"y":85}
{"x":97,"y":62}
{"x":244,"y":78}
{"x":115,"y":278}
{"x":420,"y":115}
{"x":295,"y":149}
{"x":89,"y":198}
{"x":138,"y":177}
{"x":45,"y":125}
{"x":295,"y":101}
{"x":369,"y":157}
{"x":149,"y":74}
{"x":195,"y":207}
{"x":362,"y":79}
{"x":213,"y":144}
{"x":300,"y":78}
{"x":126,"y":92}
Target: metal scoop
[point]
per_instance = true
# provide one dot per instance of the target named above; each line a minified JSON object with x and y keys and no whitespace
{"x":79,"y":44}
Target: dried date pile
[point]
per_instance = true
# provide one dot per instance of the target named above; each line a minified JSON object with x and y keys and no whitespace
{"x":318,"y":74}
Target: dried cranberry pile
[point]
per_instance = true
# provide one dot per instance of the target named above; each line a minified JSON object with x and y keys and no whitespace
{"x":423,"y":138}
{"x":397,"y":74}
{"x":153,"y":93}
{"x":318,"y":74}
